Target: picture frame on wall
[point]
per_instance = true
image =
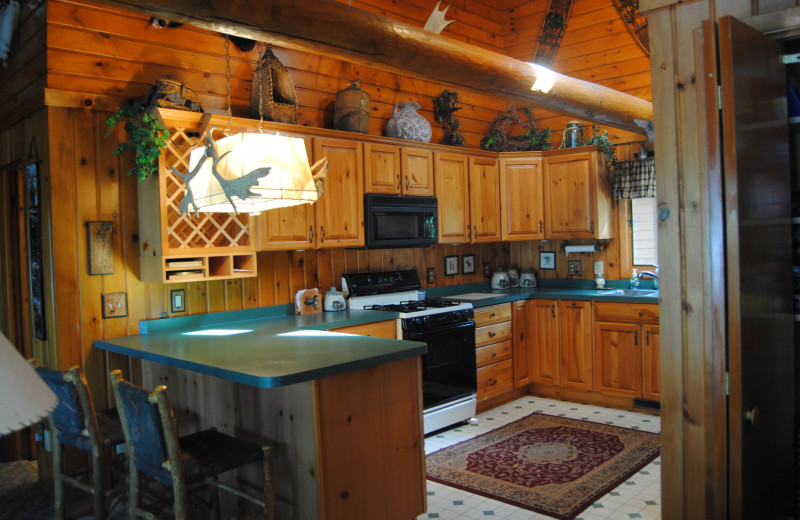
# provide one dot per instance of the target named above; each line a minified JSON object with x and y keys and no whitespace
{"x":547,"y":260}
{"x":451,"y":265}
{"x":467,"y":264}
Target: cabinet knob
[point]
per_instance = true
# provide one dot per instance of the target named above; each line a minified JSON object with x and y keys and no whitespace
{"x":641,"y":314}
{"x":494,"y":354}
{"x":492,"y":334}
{"x":751,"y":416}
{"x":492,"y":315}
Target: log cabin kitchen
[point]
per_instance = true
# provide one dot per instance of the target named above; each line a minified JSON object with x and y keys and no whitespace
{"x":467,"y":251}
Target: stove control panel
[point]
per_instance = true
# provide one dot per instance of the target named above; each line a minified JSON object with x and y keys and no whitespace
{"x":435,"y":321}
{"x":360,"y":284}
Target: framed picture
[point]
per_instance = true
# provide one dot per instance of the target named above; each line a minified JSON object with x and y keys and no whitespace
{"x":467,"y":264}
{"x":575,"y":268}
{"x":451,"y":265}
{"x":547,"y":260}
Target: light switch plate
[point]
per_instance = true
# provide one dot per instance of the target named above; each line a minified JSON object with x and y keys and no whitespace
{"x":115,"y":305}
{"x":431,"y":275}
{"x":177,"y":300}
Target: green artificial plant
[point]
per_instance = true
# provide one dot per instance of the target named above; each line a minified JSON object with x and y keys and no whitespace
{"x":603,"y":143}
{"x":148,"y":137}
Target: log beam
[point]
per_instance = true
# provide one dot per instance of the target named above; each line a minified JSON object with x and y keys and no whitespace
{"x":335,"y":29}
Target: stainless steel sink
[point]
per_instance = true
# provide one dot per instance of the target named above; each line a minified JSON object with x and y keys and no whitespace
{"x":642,"y":293}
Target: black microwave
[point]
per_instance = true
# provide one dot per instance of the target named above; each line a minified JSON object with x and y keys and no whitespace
{"x":399,"y":221}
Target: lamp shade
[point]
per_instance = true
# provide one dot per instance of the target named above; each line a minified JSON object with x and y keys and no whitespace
{"x":278,"y":168}
{"x":26,"y":398}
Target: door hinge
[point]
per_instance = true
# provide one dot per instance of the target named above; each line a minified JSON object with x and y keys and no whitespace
{"x":786,"y":59}
{"x":719,"y":97}
{"x":727,"y":383}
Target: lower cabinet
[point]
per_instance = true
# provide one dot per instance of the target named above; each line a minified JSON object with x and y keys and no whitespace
{"x":493,"y":335}
{"x":627,"y":350}
{"x":522,"y":355}
{"x":576,"y":344}
{"x":544,"y":341}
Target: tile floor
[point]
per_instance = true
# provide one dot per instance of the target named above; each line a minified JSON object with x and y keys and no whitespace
{"x":638,"y":497}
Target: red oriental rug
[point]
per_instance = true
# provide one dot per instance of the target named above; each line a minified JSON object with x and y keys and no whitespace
{"x":552,"y":465}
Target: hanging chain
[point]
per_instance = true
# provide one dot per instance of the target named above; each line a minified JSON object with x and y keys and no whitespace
{"x":228,"y":80}
{"x":262,"y":50}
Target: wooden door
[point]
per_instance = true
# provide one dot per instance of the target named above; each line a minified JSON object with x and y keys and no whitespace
{"x":381,"y":169}
{"x":576,"y":344}
{"x":452,"y":191}
{"x":484,"y":199}
{"x":651,"y":363}
{"x":340,"y":210}
{"x":758,"y":264}
{"x":569,"y":194}
{"x":618,"y":358}
{"x":287,"y":229}
{"x":521,"y":199}
{"x":521,"y":347}
{"x":544,"y":336}
{"x":416,"y":168}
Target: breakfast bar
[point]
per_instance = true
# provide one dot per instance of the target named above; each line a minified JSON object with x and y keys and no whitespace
{"x":342,"y":409}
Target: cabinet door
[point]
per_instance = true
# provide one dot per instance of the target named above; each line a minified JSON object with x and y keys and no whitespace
{"x":651,"y":363}
{"x":452,"y":191}
{"x":521,"y":348}
{"x":545,"y":340}
{"x":416,"y":167}
{"x":286,"y":229}
{"x":576,"y":344}
{"x":381,"y":169}
{"x":340,"y":210}
{"x":484,"y":199}
{"x":521,"y":199}
{"x":618,"y":358}
{"x":569,"y":182}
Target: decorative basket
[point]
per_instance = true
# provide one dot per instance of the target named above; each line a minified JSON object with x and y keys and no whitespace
{"x":167,"y":93}
{"x":273,"y":90}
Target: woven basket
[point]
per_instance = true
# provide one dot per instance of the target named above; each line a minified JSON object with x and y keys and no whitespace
{"x":167,"y":93}
{"x":273,"y":87}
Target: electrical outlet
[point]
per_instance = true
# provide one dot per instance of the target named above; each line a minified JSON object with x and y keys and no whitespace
{"x":431,"y":275}
{"x":487,"y":270}
{"x":115,"y":305}
{"x":177,"y":299}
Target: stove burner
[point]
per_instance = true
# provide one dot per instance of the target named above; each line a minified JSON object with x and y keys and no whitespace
{"x":413,"y":305}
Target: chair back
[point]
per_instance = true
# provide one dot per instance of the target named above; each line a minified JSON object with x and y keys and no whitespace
{"x":151,"y":444}
{"x":74,"y":417}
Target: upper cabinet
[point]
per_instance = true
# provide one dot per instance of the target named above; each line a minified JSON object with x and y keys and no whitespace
{"x":398,"y":170}
{"x":340,"y":210}
{"x":468,"y":191}
{"x":521,"y":198}
{"x":577,"y":196}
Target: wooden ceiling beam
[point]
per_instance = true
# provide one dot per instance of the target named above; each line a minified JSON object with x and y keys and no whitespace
{"x":351,"y":34}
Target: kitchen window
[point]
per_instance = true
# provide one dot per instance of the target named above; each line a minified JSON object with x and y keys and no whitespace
{"x":644,"y":232}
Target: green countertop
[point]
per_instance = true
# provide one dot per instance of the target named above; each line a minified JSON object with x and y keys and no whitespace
{"x":273,"y":347}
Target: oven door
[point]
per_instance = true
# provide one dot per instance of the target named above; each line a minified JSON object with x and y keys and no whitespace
{"x":449,"y":368}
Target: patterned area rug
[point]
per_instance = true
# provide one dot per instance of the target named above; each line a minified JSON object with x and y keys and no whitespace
{"x":552,"y":465}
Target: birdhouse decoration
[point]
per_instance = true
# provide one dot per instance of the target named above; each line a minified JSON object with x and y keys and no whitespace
{"x":273,"y":96}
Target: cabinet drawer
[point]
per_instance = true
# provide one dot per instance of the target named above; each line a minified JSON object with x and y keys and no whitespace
{"x":493,"y":314}
{"x":634,"y":312}
{"x":493,"y":353}
{"x":492,"y":334}
{"x":495,"y":379}
{"x":382,"y":329}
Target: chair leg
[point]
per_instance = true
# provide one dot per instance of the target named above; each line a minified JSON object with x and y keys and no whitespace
{"x":180,"y":499}
{"x":58,"y":477}
{"x":98,"y":496}
{"x":133,"y":491}
{"x":269,"y":481}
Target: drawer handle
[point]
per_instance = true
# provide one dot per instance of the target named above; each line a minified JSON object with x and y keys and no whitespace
{"x":641,"y":314}
{"x":492,"y":382}
{"x":494,"y":354}
{"x":492,"y":315}
{"x":492,"y":334}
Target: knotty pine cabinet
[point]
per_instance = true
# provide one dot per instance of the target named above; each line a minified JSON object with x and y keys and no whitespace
{"x":521,"y":197}
{"x":336,"y":219}
{"x":493,"y":343}
{"x":398,"y":170}
{"x":381,"y":329}
{"x":577,"y":365}
{"x":522,"y":354}
{"x":627,"y":350}
{"x":545,"y":341}
{"x":577,"y":195}
{"x":468,"y":191}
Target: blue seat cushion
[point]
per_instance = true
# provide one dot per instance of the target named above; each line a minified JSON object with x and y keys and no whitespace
{"x":205,"y":454}
{"x":110,"y":432}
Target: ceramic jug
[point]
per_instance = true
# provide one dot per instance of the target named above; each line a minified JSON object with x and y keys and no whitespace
{"x":513,"y":276}
{"x":333,"y":300}
{"x":527,"y":278}
{"x":500,"y":280}
{"x":406,"y":123}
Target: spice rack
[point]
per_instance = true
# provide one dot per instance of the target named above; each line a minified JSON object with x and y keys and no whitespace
{"x":176,"y":248}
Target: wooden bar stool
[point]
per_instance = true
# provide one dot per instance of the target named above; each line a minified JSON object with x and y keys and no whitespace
{"x":186,"y":463}
{"x":74,"y":422}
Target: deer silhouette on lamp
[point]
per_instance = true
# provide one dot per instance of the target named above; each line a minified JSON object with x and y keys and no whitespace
{"x":406,"y":123}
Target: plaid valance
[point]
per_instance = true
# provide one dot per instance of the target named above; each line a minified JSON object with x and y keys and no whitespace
{"x":635,"y":179}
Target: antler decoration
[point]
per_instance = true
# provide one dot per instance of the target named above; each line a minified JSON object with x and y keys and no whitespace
{"x":240,"y":187}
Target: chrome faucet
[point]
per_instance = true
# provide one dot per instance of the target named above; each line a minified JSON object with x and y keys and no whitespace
{"x":652,"y":275}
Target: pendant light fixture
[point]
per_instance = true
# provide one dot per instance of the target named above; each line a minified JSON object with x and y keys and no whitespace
{"x":250,"y":172}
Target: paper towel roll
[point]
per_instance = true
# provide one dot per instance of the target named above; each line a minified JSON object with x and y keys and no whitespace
{"x":580,"y":249}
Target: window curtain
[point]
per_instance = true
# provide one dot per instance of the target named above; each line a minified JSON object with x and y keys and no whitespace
{"x":635,"y":179}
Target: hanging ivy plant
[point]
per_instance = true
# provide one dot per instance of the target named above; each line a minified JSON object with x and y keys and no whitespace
{"x":603,"y":144}
{"x":148,"y":138}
